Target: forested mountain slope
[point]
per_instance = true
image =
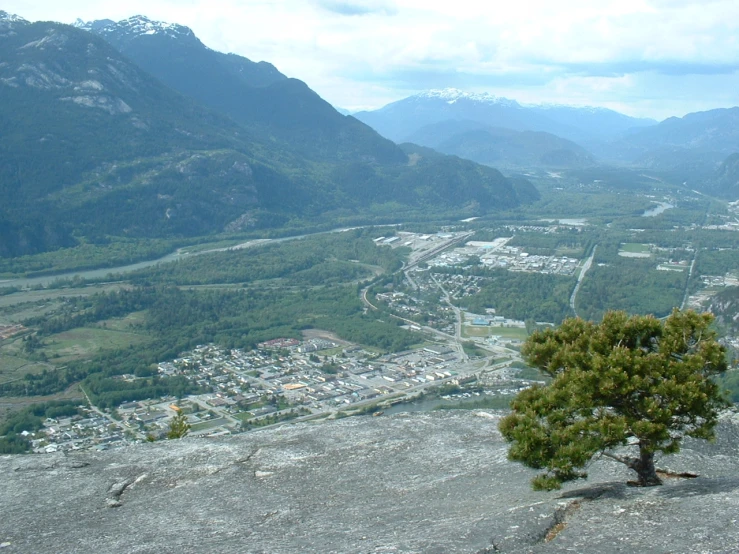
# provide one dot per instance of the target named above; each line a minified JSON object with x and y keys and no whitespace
{"x":256,"y":95}
{"x":502,"y":147}
{"x":94,"y":146}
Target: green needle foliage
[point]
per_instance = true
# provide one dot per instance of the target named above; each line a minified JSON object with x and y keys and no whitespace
{"x":178,"y":426}
{"x":629,"y":380}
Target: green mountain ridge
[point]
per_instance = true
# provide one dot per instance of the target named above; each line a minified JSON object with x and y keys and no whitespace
{"x":694,"y":145}
{"x":93,"y":145}
{"x":725,"y":182}
{"x":502,"y":147}
{"x":255,"y":95}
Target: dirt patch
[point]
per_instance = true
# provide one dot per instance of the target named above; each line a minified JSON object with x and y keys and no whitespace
{"x":561,"y":516}
{"x":321,"y":334}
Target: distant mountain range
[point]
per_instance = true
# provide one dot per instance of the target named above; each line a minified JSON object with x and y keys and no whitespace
{"x":136,"y":128}
{"x":400,"y":120}
{"x":696,"y":143}
{"x":494,"y":130}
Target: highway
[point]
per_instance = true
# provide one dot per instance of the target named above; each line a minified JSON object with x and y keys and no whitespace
{"x":581,"y":277}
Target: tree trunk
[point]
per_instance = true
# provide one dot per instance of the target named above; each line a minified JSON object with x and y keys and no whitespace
{"x":644,"y":467}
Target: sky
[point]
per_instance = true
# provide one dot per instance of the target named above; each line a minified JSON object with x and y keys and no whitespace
{"x":645,"y":58}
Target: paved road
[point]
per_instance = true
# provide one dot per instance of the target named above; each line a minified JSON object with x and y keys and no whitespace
{"x":110,"y":418}
{"x":687,"y":281}
{"x":458,"y":315}
{"x":581,"y":277}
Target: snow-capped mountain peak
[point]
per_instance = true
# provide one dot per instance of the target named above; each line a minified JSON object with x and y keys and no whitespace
{"x":453,"y":95}
{"x":9,"y":20}
{"x":5,"y":16}
{"x":135,"y":26}
{"x":92,"y":25}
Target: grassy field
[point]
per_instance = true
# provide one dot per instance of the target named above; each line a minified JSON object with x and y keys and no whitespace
{"x":16,"y":307}
{"x":488,"y":331}
{"x":14,"y":403}
{"x":208,"y":424}
{"x":82,"y":342}
{"x":571,"y":252}
{"x":673,"y":267}
{"x":75,"y":344}
{"x":131,"y":321}
{"x":13,"y":367}
{"x":635,"y":247}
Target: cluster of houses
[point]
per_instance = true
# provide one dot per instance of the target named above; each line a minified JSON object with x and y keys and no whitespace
{"x":246,"y":386}
{"x":80,"y":432}
{"x":497,"y":255}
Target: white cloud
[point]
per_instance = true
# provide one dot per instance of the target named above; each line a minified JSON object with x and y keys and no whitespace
{"x":361,"y":53}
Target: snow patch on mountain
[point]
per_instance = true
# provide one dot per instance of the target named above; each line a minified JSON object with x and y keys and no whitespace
{"x":11,"y":17}
{"x":9,"y":21}
{"x":553,"y":106}
{"x":135,"y":26}
{"x":453,"y":95}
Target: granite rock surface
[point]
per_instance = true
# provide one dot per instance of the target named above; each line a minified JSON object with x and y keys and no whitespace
{"x":422,"y":483}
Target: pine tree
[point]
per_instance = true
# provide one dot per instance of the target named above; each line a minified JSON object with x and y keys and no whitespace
{"x":178,"y":426}
{"x":628,"y":381}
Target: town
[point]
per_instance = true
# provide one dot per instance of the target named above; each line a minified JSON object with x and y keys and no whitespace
{"x":282,"y":380}
{"x":459,"y":353}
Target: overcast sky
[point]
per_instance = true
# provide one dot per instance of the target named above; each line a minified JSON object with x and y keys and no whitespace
{"x":653,"y":58}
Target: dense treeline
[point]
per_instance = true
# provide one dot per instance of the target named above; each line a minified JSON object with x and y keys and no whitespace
{"x":14,"y":444}
{"x":97,"y":252}
{"x":632,"y":285}
{"x":518,"y":295}
{"x":106,"y":392}
{"x":81,"y":311}
{"x":680,"y":216}
{"x":707,"y":238}
{"x":717,"y":262}
{"x":32,"y":418}
{"x":313,"y":260}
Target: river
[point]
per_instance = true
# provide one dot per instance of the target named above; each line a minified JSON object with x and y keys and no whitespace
{"x":89,"y":273}
{"x":660,"y":208}
{"x":171,"y":257}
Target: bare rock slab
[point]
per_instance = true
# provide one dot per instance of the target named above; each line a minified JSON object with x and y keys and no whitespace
{"x":421,"y":483}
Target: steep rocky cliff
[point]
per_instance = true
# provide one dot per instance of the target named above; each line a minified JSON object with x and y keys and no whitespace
{"x":428,"y":483}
